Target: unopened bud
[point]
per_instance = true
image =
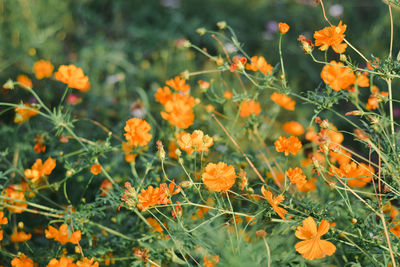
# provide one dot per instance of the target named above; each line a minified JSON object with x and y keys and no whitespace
{"x":355,"y":113}
{"x":186,"y":44}
{"x":161,"y":150}
{"x":201,"y":31}
{"x":9,"y":84}
{"x":353,"y":220}
{"x":70,"y":173}
{"x":221,"y":25}
{"x":185,"y":75}
{"x":20,"y":225}
{"x":178,"y":152}
{"x":186,"y":184}
{"x":261,"y":233}
{"x":343,"y":57}
{"x":360,"y":134}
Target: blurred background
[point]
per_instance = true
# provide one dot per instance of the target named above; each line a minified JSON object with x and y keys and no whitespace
{"x":129,"y":48}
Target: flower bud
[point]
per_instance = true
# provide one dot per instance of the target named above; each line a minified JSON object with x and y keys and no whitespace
{"x":221,"y":25}
{"x":201,"y":31}
{"x":186,"y":44}
{"x":186,"y":184}
{"x":9,"y":84}
{"x":343,"y":57}
{"x":261,"y":233}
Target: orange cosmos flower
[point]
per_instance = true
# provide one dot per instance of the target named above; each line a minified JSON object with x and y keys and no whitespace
{"x":228,"y":94}
{"x":137,"y":132}
{"x":43,"y":69}
{"x":106,"y":186}
{"x":179,"y":84}
{"x":74,"y":77}
{"x":358,"y":175}
{"x":39,"y":147}
{"x":331,"y":36}
{"x":24,"y":80}
{"x":283,"y":100}
{"x":308,"y":186}
{"x":19,"y":237}
{"x":163,"y":95}
{"x":238,"y":63}
{"x":87,"y":263}
{"x":22,"y":261}
{"x":3,"y":220}
{"x":249,"y":107}
{"x":338,"y":77}
{"x":62,"y":262}
{"x":274,"y":202}
{"x":296,"y":176}
{"x":154,"y":223}
{"x":219,"y":177}
{"x":293,"y":127}
{"x":179,"y":111}
{"x":22,"y":114}
{"x":39,"y":169}
{"x":283,"y":27}
{"x":196,"y":141}
{"x":16,"y":191}
{"x":95,"y":169}
{"x":375,"y":98}
{"x":259,"y":64}
{"x":150,"y":197}
{"x":211,"y":261}
{"x":313,"y":247}
{"x":341,"y":156}
{"x":288,"y":145}
{"x":172,"y":147}
{"x":203,"y":84}
{"x":63,"y":235}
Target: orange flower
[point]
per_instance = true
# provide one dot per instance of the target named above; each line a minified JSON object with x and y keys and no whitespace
{"x":219,"y":177}
{"x":179,"y":111}
{"x":288,"y":145}
{"x":24,"y":80}
{"x":296,"y":176}
{"x":22,"y":114}
{"x":358,"y":175}
{"x":62,"y":262}
{"x":203,"y":84}
{"x":362,"y":80}
{"x":259,"y":63}
{"x":3,"y":220}
{"x":283,"y":27}
{"x":238,"y":63}
{"x":331,"y":36}
{"x":313,"y":247}
{"x":87,"y":263}
{"x":375,"y":98}
{"x":43,"y":69}
{"x":283,"y":100}
{"x":171,"y":150}
{"x":22,"y":261}
{"x":137,"y":132}
{"x":228,"y":94}
{"x":74,"y":77}
{"x":308,"y":186}
{"x":39,"y":169}
{"x":154,"y":223}
{"x":337,"y":76}
{"x":211,"y":261}
{"x":63,"y":235}
{"x":39,"y":147}
{"x":294,"y":128}
{"x":19,"y":237}
{"x":106,"y":186}
{"x":16,"y":191}
{"x":163,"y":95}
{"x":150,"y":197}
{"x":249,"y":107}
{"x":196,"y":141}
{"x":95,"y":169}
{"x":179,"y":84}
{"x":274,"y":202}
